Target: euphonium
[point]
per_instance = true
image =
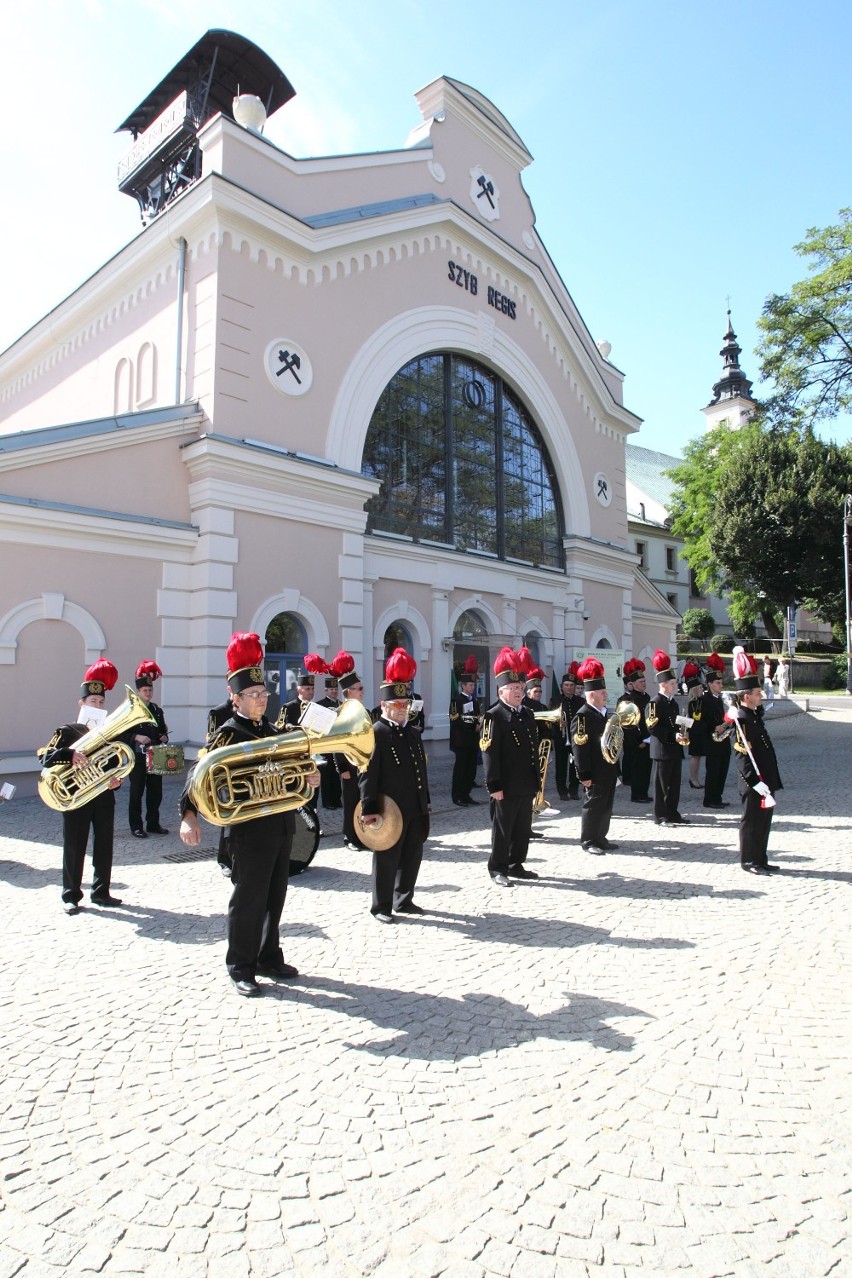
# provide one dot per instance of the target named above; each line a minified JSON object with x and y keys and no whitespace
{"x":249,"y":779}
{"x":552,"y":716}
{"x":65,"y":787}
{"x":624,"y":716}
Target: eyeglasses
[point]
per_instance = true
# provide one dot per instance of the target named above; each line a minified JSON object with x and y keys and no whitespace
{"x":257,"y":694}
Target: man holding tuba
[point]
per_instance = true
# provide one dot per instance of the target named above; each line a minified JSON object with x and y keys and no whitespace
{"x":98,"y":814}
{"x":667,"y":741}
{"x":597,"y":773}
{"x":259,"y":847}
{"x":144,"y":784}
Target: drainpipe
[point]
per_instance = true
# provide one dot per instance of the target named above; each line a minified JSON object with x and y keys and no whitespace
{"x":181,"y":286}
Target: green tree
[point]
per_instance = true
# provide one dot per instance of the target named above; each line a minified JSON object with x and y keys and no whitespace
{"x":698,"y":623}
{"x":806,"y":347}
{"x":759,"y":511}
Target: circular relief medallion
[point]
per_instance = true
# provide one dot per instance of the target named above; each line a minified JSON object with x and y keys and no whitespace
{"x":602,"y":489}
{"x":288,"y":367}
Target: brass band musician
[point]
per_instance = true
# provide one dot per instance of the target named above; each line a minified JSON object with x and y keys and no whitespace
{"x":667,"y":741}
{"x":465,"y":722}
{"x":260,"y":847}
{"x":597,"y":774}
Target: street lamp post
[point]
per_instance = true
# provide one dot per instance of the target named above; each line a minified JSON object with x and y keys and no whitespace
{"x":847,"y":519}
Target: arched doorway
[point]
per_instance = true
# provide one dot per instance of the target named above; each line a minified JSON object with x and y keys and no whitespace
{"x":470,"y":638}
{"x":285,"y":642}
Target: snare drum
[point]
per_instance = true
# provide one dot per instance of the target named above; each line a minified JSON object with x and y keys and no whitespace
{"x":305,"y":840}
{"x":164,"y":760}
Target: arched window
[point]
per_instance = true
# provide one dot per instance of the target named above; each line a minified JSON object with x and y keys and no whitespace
{"x":397,"y":636}
{"x":531,"y":641}
{"x":286,"y":643}
{"x":461,"y":463}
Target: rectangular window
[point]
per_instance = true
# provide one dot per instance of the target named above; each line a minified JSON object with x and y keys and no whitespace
{"x":673,"y":601}
{"x":671,"y":559}
{"x":640,"y":551}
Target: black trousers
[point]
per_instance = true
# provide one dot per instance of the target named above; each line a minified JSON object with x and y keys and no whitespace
{"x":395,"y":870}
{"x":260,"y":856}
{"x":638,"y":771}
{"x":718,"y":761}
{"x":143,"y":783}
{"x":329,"y":785}
{"x":755,"y":824}
{"x":567,"y":781}
{"x":350,"y":793}
{"x":667,"y":788}
{"x":511,"y":821}
{"x":598,"y":799}
{"x":464,"y":771}
{"x":99,"y":816}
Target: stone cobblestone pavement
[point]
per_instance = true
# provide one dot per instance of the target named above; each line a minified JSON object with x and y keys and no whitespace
{"x":639,"y":1064}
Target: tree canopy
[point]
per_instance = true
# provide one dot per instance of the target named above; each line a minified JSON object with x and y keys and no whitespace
{"x":806,"y":347}
{"x":760,"y":512}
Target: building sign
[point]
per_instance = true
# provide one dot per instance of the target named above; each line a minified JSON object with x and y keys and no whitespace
{"x":165,"y":126}
{"x":602,"y":489}
{"x":612,"y":660}
{"x":469,"y":282}
{"x":288,"y":367}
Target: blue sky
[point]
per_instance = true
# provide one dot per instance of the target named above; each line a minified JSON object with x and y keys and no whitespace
{"x":681,"y":149}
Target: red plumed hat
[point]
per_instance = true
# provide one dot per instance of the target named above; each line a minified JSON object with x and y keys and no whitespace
{"x":663,"y":666}
{"x":627,"y":669}
{"x":534,"y":677}
{"x":400,"y":669}
{"x":507,"y":668}
{"x":745,"y":670}
{"x":343,"y":664}
{"x":715,"y":666}
{"x":525,"y":661}
{"x":245,"y":661}
{"x":592,"y":674}
{"x":691,"y":674}
{"x":99,"y":678}
{"x":146,"y":674}
{"x":471,"y":667}
{"x":314,"y":664}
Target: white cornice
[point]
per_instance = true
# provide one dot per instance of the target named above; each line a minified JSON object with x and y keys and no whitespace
{"x":229,"y":473}
{"x":599,"y":561}
{"x":105,"y":535}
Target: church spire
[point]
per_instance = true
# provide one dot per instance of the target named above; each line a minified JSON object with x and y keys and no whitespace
{"x":733,"y":384}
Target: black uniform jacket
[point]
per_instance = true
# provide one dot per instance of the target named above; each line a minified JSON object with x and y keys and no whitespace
{"x":292,"y":713}
{"x":509,"y":747}
{"x":587,"y":728}
{"x":397,"y":769}
{"x":153,"y":732}
{"x":752,"y":724}
{"x":712,"y":717}
{"x":663,"y":729}
{"x":61,"y":745}
{"x":216,"y":717}
{"x":464,"y":724}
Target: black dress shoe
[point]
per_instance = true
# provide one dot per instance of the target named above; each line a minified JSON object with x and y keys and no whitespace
{"x":156,"y":829}
{"x":247,"y":986}
{"x":411,"y":908}
{"x":70,"y":907}
{"x":751,"y":868}
{"x":693,"y":786}
{"x":278,"y":971}
{"x":774,"y":869}
{"x":521,"y":872}
{"x":139,"y":834}
{"x":606,"y":846}
{"x":106,"y":899}
{"x":678,"y":820}
{"x":595,"y":849}
{"x":471,"y":803}
{"x":502,"y":880}
{"x":647,"y":799}
{"x":536,"y":834}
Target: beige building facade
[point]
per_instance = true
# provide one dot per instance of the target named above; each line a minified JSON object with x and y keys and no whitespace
{"x":185,"y":440}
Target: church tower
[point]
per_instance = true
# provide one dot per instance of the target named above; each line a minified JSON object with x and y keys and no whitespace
{"x":732,"y":401}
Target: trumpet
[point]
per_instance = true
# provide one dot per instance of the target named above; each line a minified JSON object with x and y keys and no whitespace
{"x":65,"y":788}
{"x":250,"y":779}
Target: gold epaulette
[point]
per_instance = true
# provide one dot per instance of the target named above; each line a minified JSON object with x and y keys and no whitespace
{"x":580,"y":736}
{"x":486,"y":735}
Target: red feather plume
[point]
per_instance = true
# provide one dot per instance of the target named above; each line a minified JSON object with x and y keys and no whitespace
{"x":244,"y":650}
{"x":400,"y":667}
{"x":715,"y":662}
{"x":506,"y":659}
{"x":103,"y":670}
{"x":343,"y":663}
{"x":525,"y":661}
{"x":148,"y":668}
{"x":744,"y":664}
{"x":661,"y":661}
{"x":470,"y":665}
{"x":314,"y":664}
{"x":590,"y":669}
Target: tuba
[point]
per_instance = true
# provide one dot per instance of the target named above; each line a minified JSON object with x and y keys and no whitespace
{"x":249,"y":779}
{"x":554,"y":718}
{"x":65,"y":788}
{"x":624,"y":716}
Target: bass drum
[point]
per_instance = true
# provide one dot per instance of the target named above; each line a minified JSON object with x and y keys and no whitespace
{"x":305,"y":840}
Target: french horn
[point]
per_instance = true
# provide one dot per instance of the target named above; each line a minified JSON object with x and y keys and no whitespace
{"x":65,"y":788}
{"x":249,"y":779}
{"x":624,"y":716}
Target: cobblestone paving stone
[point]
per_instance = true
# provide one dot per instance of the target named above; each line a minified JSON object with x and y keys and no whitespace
{"x":638,"y":1064}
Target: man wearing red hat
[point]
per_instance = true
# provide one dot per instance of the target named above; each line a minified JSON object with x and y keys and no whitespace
{"x":143,"y":735}
{"x":465,"y":720}
{"x":98,"y":814}
{"x":760,"y":779}
{"x":260,"y":848}
{"x":397,"y":770}
{"x":717,"y":743}
{"x":666,"y":744}
{"x":352,"y":687}
{"x":509,"y":745}
{"x":597,"y":775}
{"x":570,"y":701}
{"x":636,"y":759}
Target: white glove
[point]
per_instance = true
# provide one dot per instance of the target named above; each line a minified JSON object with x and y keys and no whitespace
{"x":763,"y":790}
